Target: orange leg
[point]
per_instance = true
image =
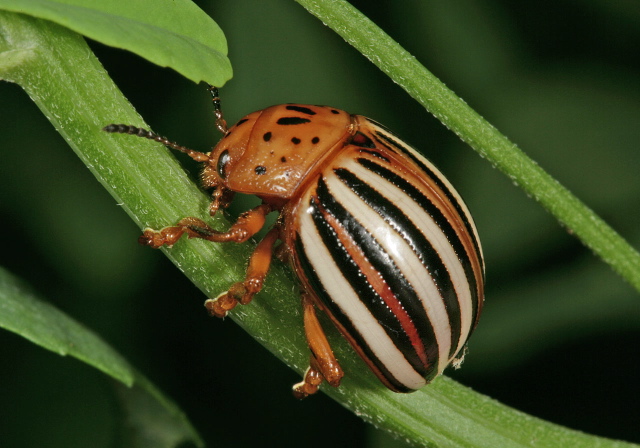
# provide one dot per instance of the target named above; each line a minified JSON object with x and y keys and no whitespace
{"x":323,"y":364}
{"x":311,"y":381}
{"x":247,"y":225}
{"x":243,"y":292}
{"x":221,"y":198}
{"x":282,"y":252}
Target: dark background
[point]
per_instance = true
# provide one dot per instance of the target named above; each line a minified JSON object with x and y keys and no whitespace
{"x":560,"y":335}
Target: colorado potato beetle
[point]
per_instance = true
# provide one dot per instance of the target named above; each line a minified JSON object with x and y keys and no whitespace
{"x":377,"y":236}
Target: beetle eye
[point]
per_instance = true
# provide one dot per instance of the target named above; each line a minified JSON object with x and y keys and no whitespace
{"x":223,"y":160}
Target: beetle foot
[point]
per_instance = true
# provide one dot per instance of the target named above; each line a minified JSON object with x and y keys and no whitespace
{"x":309,"y":384}
{"x":313,"y":378}
{"x":219,"y":306}
{"x":155,"y":238}
{"x":168,"y":236}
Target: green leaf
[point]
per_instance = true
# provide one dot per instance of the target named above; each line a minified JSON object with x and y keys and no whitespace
{"x":43,"y":324}
{"x":21,"y":312}
{"x":169,"y":33}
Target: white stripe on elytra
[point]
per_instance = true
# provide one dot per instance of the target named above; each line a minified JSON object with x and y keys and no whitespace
{"x":341,"y":292}
{"x":442,"y":179}
{"x":401,"y":253}
{"x":441,"y":245}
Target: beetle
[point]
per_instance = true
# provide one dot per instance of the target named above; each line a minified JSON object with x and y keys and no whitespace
{"x":377,"y":236}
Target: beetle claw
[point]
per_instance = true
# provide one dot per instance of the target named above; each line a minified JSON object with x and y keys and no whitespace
{"x":154,"y":239}
{"x":219,"y":306}
{"x":309,"y":384}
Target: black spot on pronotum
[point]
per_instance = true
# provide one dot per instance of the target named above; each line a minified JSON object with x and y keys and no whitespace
{"x":283,"y":159}
{"x":301,"y":109}
{"x":222,"y":163}
{"x":267,"y":136}
{"x":335,"y":112}
{"x":295,"y":140}
{"x":260,"y":170}
{"x":244,"y":120}
{"x":315,"y":140}
{"x":292,"y":120}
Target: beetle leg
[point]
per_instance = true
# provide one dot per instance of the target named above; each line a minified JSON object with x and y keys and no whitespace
{"x":221,"y":198}
{"x":247,"y":225}
{"x":243,"y":292}
{"x":282,"y":252}
{"x":323,"y":363}
{"x":310,"y":382}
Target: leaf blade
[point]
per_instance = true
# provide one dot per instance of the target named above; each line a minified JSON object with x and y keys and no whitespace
{"x":169,"y":33}
{"x":23,"y":313}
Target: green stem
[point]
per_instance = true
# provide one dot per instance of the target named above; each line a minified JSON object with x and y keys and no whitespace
{"x":454,"y":113}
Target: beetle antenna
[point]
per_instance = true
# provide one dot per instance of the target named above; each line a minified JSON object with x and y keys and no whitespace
{"x":221,"y":123}
{"x":139,"y":132}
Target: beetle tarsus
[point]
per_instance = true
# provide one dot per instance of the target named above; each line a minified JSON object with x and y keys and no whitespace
{"x":219,"y":306}
{"x":311,"y":380}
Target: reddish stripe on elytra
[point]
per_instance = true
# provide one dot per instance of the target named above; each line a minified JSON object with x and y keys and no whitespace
{"x":407,"y":323}
{"x":381,"y":288}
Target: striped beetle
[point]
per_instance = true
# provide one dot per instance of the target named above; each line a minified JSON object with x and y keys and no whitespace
{"x":377,"y":236}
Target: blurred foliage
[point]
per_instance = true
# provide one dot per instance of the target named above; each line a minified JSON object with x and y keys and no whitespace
{"x":196,"y":46}
{"x":560,"y":332}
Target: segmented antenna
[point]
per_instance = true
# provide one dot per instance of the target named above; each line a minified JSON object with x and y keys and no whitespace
{"x":139,"y":132}
{"x":221,"y":123}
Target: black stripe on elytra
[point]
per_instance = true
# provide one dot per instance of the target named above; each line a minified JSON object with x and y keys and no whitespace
{"x":366,"y":145}
{"x":381,"y":126}
{"x":375,"y":154}
{"x":347,"y":267}
{"x":408,"y":230}
{"x":423,"y":202}
{"x":292,"y":120}
{"x":429,"y":172}
{"x":403,"y":291}
{"x":301,"y":109}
